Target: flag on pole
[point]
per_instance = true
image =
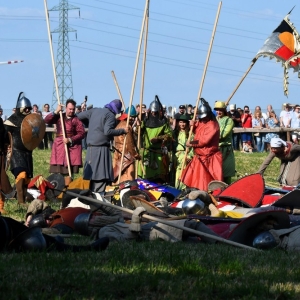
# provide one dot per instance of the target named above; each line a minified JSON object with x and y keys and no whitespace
{"x":283,"y":45}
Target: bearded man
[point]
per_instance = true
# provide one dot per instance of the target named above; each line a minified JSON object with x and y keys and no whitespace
{"x":225,"y":144}
{"x":74,"y":133}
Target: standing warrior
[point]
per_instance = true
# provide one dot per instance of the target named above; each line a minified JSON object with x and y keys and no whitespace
{"x":130,"y":154}
{"x":206,"y":165}
{"x":180,"y":136}
{"x":156,"y":135}
{"x":98,"y":162}
{"x":226,"y":127}
{"x":26,"y":130}
{"x":74,"y":131}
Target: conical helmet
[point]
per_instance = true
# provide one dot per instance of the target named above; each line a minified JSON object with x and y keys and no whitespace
{"x":204,"y":109}
{"x":23,"y":102}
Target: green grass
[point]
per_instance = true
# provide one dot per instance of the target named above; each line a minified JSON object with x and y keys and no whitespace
{"x":152,"y":270}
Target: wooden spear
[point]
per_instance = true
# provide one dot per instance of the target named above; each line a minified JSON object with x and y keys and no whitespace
{"x":56,"y":85}
{"x":142,"y":88}
{"x":118,"y":89}
{"x":201,"y":84}
{"x":242,"y":79}
{"x":163,"y":221}
{"x":133,"y":81}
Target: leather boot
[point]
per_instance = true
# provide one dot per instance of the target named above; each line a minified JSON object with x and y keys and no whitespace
{"x":68,"y":180}
{"x":20,"y":191}
{"x":2,"y":211}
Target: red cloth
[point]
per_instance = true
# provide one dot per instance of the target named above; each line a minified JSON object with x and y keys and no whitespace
{"x":41,"y":184}
{"x":67,"y":216}
{"x":206,"y":164}
{"x":74,"y":129}
{"x":247,"y":120}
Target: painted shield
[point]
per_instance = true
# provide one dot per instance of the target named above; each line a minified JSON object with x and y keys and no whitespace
{"x":32,"y":131}
{"x":58,"y":181}
{"x":248,"y":191}
{"x":249,"y":228}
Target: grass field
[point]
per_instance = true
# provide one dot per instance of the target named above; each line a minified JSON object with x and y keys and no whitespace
{"x":152,"y":270}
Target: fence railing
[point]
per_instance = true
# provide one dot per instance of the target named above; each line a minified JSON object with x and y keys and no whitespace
{"x":237,"y":130}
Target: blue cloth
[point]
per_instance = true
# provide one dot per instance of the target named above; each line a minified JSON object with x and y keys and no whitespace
{"x":246,"y":137}
{"x":267,"y":138}
{"x":115,"y":106}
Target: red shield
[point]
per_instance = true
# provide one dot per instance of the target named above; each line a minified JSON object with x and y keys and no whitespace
{"x":248,"y":191}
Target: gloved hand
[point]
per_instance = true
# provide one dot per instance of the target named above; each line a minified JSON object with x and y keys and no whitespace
{"x":136,"y":219}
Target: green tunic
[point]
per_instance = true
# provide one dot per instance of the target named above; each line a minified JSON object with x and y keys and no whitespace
{"x":226,"y":126}
{"x":179,"y":147}
{"x":155,"y":158}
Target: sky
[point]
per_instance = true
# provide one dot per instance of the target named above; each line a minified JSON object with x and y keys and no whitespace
{"x":107,"y":38}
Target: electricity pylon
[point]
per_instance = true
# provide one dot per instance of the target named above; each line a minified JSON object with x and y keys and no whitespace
{"x":63,"y":59}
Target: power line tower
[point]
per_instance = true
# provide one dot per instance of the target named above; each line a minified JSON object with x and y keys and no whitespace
{"x":63,"y":59}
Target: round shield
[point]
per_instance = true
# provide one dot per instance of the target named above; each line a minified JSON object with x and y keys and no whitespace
{"x":32,"y":131}
{"x":58,"y":181}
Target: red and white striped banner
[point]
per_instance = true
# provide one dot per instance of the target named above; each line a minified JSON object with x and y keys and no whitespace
{"x":10,"y":62}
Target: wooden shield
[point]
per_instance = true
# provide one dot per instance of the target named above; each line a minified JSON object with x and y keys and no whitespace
{"x":150,"y":208}
{"x":32,"y":130}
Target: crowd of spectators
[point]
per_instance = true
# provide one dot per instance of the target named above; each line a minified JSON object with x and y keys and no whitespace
{"x":242,"y":117}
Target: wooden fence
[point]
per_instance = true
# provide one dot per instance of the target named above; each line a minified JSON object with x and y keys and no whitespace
{"x":238,"y":130}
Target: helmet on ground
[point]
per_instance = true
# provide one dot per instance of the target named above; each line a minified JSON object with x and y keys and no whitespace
{"x":264,"y":241}
{"x":38,"y":221}
{"x":191,"y":207}
{"x":31,"y":239}
{"x":220,"y":105}
{"x":154,"y":106}
{"x":81,"y":223}
{"x":23,"y":102}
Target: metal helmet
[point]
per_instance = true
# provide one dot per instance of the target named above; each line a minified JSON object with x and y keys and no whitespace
{"x":204,"y":109}
{"x":191,"y":207}
{"x":132,"y":111}
{"x":264,"y":241}
{"x":23,"y":101}
{"x":38,"y":221}
{"x":81,"y":223}
{"x":154,"y":106}
{"x":31,"y":239}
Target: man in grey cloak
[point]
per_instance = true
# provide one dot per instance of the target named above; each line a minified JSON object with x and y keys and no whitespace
{"x":98,"y":163}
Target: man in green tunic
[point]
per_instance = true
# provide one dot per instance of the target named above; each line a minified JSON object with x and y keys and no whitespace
{"x":156,"y":136}
{"x":226,"y":127}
